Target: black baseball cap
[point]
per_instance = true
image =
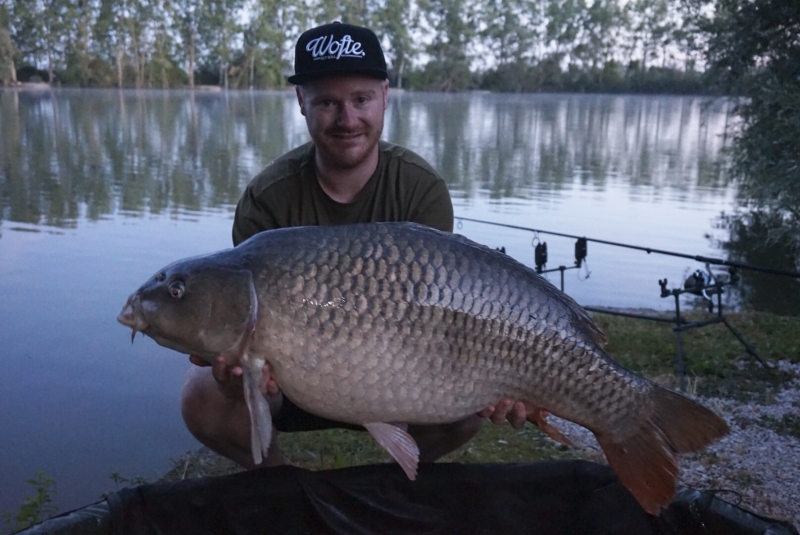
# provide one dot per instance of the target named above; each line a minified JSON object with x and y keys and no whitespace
{"x":337,"y":48}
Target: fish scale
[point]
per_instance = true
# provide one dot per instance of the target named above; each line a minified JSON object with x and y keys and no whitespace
{"x":392,"y":323}
{"x":396,"y":259}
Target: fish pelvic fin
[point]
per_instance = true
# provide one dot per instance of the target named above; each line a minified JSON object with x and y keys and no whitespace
{"x":646,"y":462}
{"x":400,"y":445}
{"x":260,"y":416}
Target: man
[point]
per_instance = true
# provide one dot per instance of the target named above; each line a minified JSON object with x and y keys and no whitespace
{"x":344,"y":175}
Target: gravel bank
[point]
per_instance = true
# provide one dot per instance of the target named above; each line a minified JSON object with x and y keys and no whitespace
{"x":754,"y":466}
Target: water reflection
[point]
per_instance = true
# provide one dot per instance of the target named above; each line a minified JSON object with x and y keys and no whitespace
{"x":522,"y":145}
{"x":106,"y":151}
{"x":71,"y":154}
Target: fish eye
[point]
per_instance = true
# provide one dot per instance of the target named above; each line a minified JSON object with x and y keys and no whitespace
{"x":177,"y":288}
{"x":161,"y":276}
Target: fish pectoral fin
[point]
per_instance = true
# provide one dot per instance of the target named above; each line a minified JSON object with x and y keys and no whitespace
{"x":254,"y":376}
{"x":538,"y":417}
{"x":400,"y":445}
{"x":236,"y":353}
{"x":260,"y":416}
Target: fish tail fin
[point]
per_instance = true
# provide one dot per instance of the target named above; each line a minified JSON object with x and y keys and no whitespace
{"x":645,"y":462}
{"x":687,"y":425}
{"x":260,"y":416}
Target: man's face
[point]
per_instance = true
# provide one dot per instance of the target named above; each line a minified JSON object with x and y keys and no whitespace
{"x":344,"y":115}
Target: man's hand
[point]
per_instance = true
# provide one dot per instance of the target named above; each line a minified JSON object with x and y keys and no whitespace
{"x":518,"y":412}
{"x":507,"y":409}
{"x":229,"y":378}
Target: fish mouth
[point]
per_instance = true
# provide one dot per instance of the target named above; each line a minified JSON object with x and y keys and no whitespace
{"x":131,"y":315}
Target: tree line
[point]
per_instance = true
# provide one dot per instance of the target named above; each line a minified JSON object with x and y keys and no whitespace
{"x":441,"y":45}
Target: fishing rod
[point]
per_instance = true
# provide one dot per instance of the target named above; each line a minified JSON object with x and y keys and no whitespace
{"x":698,"y":284}
{"x":648,"y":250}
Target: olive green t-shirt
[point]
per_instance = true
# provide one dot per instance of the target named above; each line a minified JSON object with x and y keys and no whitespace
{"x":286,"y":193}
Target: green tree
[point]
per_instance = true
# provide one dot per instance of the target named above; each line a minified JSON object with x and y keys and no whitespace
{"x":185,"y":26}
{"x":453,"y":26}
{"x":604,"y":23}
{"x":218,"y":30}
{"x":136,"y":16}
{"x":690,"y":37}
{"x":350,"y":11}
{"x":510,"y":29}
{"x":111,"y":35}
{"x":40,"y":30}
{"x":565,"y":24}
{"x":395,"y":22}
{"x":22,"y":24}
{"x":52,"y":26}
{"x":81,"y":68}
{"x":511,"y":33}
{"x":163,"y":70}
{"x":8,"y":68}
{"x":273,"y":26}
{"x":754,"y":52}
{"x":35,"y":508}
{"x":653,"y":25}
{"x":36,"y":32}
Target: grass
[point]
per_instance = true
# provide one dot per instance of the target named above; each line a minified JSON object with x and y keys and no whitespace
{"x":715,"y":360}
{"x":648,"y":346}
{"x":337,"y":448}
{"x":35,"y":508}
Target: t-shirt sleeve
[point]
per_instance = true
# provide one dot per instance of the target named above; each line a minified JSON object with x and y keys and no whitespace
{"x":435,"y":209}
{"x":252,"y":217}
{"x":423,"y":195}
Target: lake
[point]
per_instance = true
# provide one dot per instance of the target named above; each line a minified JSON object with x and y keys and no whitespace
{"x":99,"y":189}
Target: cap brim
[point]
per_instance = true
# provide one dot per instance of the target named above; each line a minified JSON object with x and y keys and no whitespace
{"x":300,"y":79}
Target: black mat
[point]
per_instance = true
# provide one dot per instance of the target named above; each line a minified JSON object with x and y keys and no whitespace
{"x":545,"y":498}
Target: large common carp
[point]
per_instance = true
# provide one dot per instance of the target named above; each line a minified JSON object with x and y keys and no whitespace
{"x":384,"y":324}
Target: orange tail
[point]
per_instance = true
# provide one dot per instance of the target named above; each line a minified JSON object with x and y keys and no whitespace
{"x":645,"y":462}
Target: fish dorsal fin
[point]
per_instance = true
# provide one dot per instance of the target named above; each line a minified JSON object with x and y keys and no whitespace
{"x":592,"y":329}
{"x":583,"y":321}
{"x":400,"y":445}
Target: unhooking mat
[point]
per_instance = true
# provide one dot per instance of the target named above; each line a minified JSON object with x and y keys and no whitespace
{"x":543,"y":498}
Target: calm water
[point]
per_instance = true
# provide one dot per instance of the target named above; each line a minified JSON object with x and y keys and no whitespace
{"x":100,"y":189}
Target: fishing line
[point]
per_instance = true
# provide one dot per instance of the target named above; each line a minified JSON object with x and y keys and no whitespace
{"x":648,"y":250}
